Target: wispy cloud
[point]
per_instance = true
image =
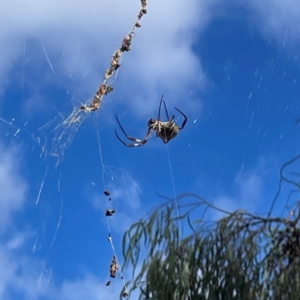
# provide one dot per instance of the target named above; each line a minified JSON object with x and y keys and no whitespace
{"x":249,"y":188}
{"x":279,"y":16}
{"x":13,"y":187}
{"x":88,"y":287}
{"x":27,"y":276}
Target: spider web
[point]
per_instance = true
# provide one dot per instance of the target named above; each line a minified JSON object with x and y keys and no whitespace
{"x":51,"y":204}
{"x":47,"y":150}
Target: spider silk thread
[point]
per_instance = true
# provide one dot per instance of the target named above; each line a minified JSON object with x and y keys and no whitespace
{"x":107,"y":220}
{"x":177,"y":207}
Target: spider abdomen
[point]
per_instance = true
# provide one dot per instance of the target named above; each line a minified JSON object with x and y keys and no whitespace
{"x":168,"y":132}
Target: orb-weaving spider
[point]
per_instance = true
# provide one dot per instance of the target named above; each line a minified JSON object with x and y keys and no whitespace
{"x":164,"y":130}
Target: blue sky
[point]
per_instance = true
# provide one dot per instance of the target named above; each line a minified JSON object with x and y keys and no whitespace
{"x":232,"y":68}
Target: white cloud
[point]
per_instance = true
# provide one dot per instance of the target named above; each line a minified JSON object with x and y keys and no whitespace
{"x":89,"y":287}
{"x":28,"y":276}
{"x":279,"y":15}
{"x":163,"y":52}
{"x":80,"y":36}
{"x":13,"y":187}
{"x":226,"y":203}
{"x":20,"y":273}
{"x":249,"y":190}
{"x":250,"y":185}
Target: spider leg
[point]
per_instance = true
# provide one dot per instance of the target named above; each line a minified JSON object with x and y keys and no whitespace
{"x":145,"y":140}
{"x":138,"y":142}
{"x":121,"y":125}
{"x":158,"y":118}
{"x":166,"y":110}
{"x":125,"y":144}
{"x":161,"y":100}
{"x":185,"y":119}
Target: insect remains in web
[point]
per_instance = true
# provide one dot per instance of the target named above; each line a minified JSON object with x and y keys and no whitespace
{"x":107,"y":193}
{"x":64,"y":129}
{"x":114,"y":267}
{"x":104,"y":88}
{"x":164,"y":130}
{"x":110,"y":212}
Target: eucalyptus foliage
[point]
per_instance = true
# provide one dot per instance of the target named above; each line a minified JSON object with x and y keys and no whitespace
{"x":237,"y":256}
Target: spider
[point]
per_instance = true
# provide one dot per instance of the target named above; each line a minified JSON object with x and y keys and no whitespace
{"x":164,"y":130}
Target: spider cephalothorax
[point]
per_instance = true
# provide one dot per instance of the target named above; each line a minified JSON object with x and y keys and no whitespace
{"x":164,"y":130}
